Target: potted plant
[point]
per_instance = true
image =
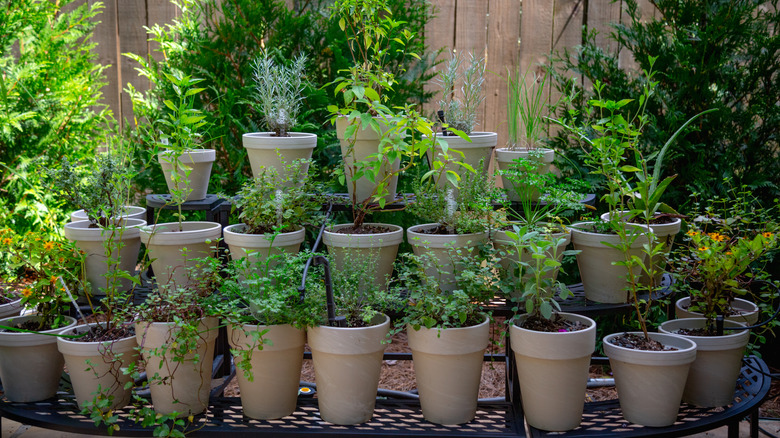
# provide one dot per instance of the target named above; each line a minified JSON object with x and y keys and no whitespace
{"x":174,"y":246}
{"x":545,"y":216}
{"x":552,"y":349}
{"x":176,"y":333}
{"x":279,"y":92}
{"x":721,"y":262}
{"x":374,"y":139}
{"x":267,"y":320}
{"x":30,"y":365}
{"x":273,"y":212}
{"x":466,"y":149}
{"x":349,"y":337}
{"x":186,"y":167}
{"x":448,"y":332}
{"x":108,"y":233}
{"x":527,"y":105}
{"x":650,"y":369}
{"x":454,"y":221}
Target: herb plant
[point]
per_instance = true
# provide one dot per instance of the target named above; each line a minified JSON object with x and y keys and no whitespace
{"x":527,"y":106}
{"x":460,"y":113}
{"x":279,"y":91}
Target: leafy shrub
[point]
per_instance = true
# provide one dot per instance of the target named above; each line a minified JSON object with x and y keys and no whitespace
{"x":48,"y":104}
{"x":710,"y":54}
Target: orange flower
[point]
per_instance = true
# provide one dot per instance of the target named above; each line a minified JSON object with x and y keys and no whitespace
{"x":767,"y":235}
{"x":729,"y":253}
{"x":704,"y":248}
{"x":692,"y":233}
{"x":53,"y":279}
{"x":48,"y":246}
{"x":26,"y":292}
{"x":717,"y":237}
{"x":7,"y":241}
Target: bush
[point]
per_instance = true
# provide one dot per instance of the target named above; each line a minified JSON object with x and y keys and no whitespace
{"x":721,"y":54}
{"x":48,"y":104}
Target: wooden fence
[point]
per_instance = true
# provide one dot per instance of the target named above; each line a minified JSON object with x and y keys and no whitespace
{"x":509,"y":33}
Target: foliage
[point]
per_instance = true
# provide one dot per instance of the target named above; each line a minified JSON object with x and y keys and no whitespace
{"x":49,"y":107}
{"x":557,"y":196}
{"x":460,"y":113}
{"x":53,"y":269}
{"x":527,"y":106}
{"x":274,"y":203}
{"x":427,"y":306}
{"x":357,"y":297}
{"x":279,"y":92}
{"x":724,"y":246}
{"x":218,"y":41}
{"x":712,"y":55}
{"x":468,"y":211}
{"x":534,"y":277}
{"x":102,"y":190}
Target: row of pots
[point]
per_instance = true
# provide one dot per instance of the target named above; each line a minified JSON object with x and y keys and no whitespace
{"x":552,"y":369}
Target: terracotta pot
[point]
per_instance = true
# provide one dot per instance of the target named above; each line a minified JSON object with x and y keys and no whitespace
{"x":503,"y":242}
{"x":199,"y":161}
{"x":440,"y":246}
{"x":166,"y":246}
{"x":97,"y":366}
{"x":747,"y":312}
{"x":479,"y":148}
{"x":183,"y":385}
{"x":377,"y":250}
{"x":30,"y":364}
{"x":260,"y":245}
{"x":448,"y":368}
{"x":650,"y":383}
{"x":276,"y":369}
{"x":712,"y":378}
{"x":131,"y":212}
{"x":603,"y":282}
{"x":347,"y":362}
{"x":552,"y":371}
{"x":521,"y":192}
{"x":267,"y":151}
{"x":365,"y":142}
{"x":93,"y":242}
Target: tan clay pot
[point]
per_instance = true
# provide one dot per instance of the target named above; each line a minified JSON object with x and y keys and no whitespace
{"x":98,"y":365}
{"x":199,"y":161}
{"x":182,"y":387}
{"x":505,"y":157}
{"x":267,"y":151}
{"x":712,"y":379}
{"x":347,"y":362}
{"x":358,"y":148}
{"x":276,"y":369}
{"x":30,"y":364}
{"x":748,"y":311}
{"x":552,"y":371}
{"x":379,"y":250}
{"x":650,"y":383}
{"x":241,"y":243}
{"x":448,"y":368}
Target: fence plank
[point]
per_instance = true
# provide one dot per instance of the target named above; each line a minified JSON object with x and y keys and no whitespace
{"x":160,"y":12}
{"x":503,"y":37}
{"x":439,"y":33}
{"x":536,"y":36}
{"x":106,"y":37}
{"x":601,"y":14}
{"x":471,"y":36}
{"x":132,"y":38}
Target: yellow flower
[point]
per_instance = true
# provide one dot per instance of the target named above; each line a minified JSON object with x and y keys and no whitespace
{"x":692,"y":233}
{"x":48,"y":246}
{"x":717,"y":237}
{"x":7,"y":241}
{"x":53,"y":279}
{"x":704,"y":248}
{"x":767,"y":235}
{"x":26,"y":292}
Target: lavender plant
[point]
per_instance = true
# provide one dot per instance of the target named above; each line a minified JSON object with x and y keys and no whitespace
{"x":279,"y":91}
{"x":460,"y":113}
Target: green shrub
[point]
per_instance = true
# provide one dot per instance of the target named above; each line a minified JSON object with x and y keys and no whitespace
{"x":49,"y":91}
{"x":721,"y":54}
